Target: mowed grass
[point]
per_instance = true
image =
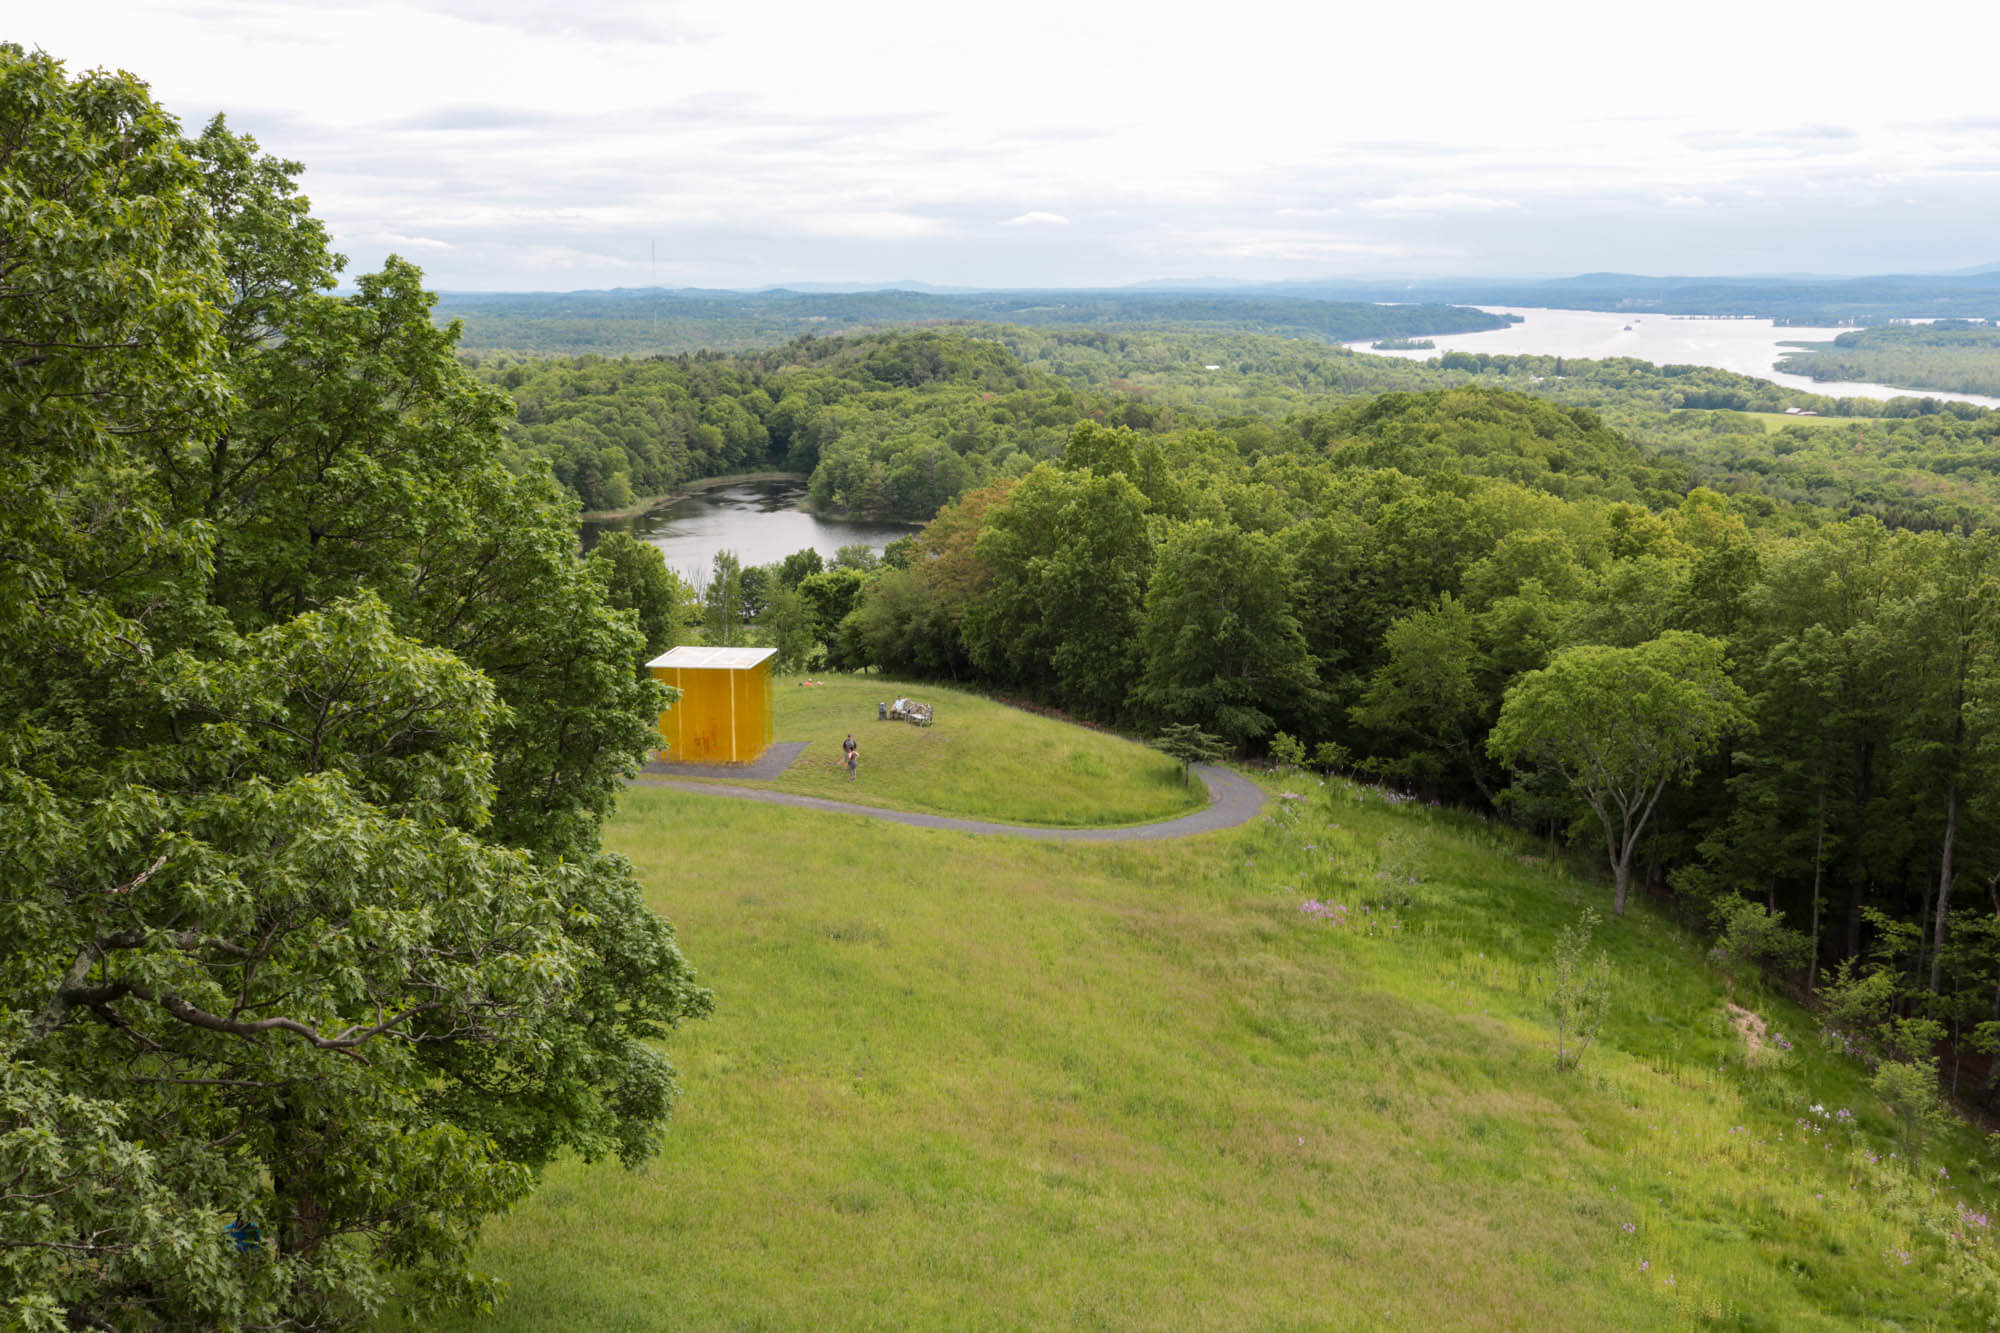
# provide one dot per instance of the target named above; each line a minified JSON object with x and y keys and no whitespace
{"x":1774,"y":422}
{"x":979,"y":1082}
{"x":979,"y":759}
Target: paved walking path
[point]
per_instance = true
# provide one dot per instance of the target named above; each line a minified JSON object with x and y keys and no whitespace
{"x":1232,"y":800}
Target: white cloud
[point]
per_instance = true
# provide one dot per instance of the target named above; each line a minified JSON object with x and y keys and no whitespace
{"x":396,"y":241}
{"x":779,"y":137}
{"x":1443,"y":202}
{"x":884,"y":224}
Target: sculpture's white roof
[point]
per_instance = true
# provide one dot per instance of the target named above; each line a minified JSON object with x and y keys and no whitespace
{"x":713,"y":659}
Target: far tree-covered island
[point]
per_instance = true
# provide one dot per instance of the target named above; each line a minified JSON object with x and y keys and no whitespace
{"x":1955,"y":356}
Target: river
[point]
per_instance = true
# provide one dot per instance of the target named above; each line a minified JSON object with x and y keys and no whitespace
{"x":761,"y":521}
{"x":1746,"y":346}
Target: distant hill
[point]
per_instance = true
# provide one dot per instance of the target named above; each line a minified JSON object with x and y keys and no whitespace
{"x":652,"y":321}
{"x":1796,"y":300}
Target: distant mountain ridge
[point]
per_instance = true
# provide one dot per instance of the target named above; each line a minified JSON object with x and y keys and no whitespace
{"x":1794,"y":298}
{"x":652,"y":321}
{"x":1799,"y":300}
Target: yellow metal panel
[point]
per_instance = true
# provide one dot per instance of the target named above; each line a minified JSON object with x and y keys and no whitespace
{"x":760,"y":696}
{"x":722,"y":717}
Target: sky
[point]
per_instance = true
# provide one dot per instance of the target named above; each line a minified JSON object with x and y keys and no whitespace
{"x":523,"y":145}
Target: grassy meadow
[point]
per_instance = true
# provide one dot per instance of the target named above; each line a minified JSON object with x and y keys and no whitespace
{"x":981,"y":1082}
{"x":979,"y":759}
{"x":1772,"y":422}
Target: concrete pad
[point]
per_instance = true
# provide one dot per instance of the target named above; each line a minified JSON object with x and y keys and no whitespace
{"x":775,"y":760}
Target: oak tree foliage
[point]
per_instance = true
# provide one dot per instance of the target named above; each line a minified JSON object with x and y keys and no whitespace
{"x":310,"y":955}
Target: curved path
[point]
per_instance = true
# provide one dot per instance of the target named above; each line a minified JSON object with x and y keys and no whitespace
{"x":1232,"y":800}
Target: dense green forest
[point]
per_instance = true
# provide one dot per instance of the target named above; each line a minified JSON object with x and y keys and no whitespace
{"x":1953,"y":355}
{"x":895,"y":424}
{"x":884,"y":425}
{"x":653,"y":322}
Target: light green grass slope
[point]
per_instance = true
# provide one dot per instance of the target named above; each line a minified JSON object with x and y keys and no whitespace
{"x":960,"y":1082}
{"x":979,"y":759}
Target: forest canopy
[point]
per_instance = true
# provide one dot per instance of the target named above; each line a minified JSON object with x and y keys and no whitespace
{"x":895,"y":424}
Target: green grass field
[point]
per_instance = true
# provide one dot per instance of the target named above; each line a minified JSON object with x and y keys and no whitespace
{"x":979,"y":759}
{"x":1774,"y":422}
{"x":979,"y":1082}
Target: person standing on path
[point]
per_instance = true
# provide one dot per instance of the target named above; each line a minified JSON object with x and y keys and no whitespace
{"x":850,"y":753}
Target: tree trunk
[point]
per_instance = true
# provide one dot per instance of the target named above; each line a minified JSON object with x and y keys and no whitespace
{"x":1819,"y":847}
{"x":1944,"y":882}
{"x":1470,"y":754}
{"x":1858,"y":890}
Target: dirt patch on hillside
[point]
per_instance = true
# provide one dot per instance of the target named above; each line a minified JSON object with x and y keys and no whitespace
{"x":1752,"y":1028}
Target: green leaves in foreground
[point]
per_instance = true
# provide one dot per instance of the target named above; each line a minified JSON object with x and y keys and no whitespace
{"x":310,"y":954}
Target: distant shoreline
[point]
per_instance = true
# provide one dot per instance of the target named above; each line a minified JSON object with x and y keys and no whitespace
{"x":638,"y":507}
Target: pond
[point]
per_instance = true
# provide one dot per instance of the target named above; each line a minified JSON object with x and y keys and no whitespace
{"x":761,"y":521}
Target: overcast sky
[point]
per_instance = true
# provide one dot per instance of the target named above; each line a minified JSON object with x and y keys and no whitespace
{"x":509,"y":145}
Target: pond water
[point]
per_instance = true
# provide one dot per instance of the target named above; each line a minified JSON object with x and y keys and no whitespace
{"x":1745,"y":346}
{"x":761,"y":521}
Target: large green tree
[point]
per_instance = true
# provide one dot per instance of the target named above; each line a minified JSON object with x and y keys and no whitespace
{"x":1432,"y":686}
{"x":1220,"y":645}
{"x":309,"y":716}
{"x":1068,"y":555}
{"x":1618,"y":725}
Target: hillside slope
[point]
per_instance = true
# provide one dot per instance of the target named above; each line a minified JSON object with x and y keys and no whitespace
{"x":974,"y":1082}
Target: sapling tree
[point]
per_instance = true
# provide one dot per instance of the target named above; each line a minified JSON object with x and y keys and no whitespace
{"x":722,"y":614}
{"x":1910,"y":1087}
{"x":1579,"y":990}
{"x":1331,"y":757}
{"x":1189,"y":744}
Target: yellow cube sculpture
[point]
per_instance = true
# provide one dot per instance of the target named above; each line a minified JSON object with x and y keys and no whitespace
{"x":724,"y":713}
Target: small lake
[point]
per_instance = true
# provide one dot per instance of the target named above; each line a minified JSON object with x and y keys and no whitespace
{"x":761,"y":521}
{"x":1745,"y":346}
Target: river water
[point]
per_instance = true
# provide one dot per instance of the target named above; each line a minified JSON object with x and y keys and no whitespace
{"x":761,"y":521}
{"x":1746,"y":346}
